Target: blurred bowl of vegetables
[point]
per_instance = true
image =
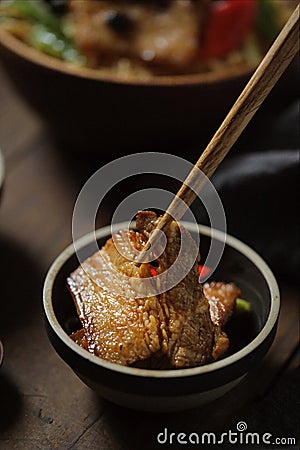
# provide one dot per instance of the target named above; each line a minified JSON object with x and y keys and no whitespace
{"x":117,"y":75}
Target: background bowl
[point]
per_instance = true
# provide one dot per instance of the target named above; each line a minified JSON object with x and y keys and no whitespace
{"x":169,"y":390}
{"x":96,"y":113}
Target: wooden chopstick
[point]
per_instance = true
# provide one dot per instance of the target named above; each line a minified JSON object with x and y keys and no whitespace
{"x":263,"y":80}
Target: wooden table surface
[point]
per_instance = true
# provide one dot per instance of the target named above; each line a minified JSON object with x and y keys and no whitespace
{"x":43,"y":404}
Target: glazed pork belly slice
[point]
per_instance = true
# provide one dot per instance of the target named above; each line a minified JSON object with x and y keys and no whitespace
{"x":187,"y":331}
{"x":120,"y":327}
{"x":222,"y":300}
{"x":80,"y":339}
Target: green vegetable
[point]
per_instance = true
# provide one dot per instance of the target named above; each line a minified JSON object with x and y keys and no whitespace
{"x":47,"y":34}
{"x":251,"y":50}
{"x":267,"y":21}
{"x":242,"y":306}
{"x":57,"y":45}
{"x":36,"y":11}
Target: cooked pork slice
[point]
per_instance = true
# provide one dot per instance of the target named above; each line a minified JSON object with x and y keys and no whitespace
{"x":80,"y":339}
{"x":221,"y":343}
{"x":222,"y":299}
{"x":120,"y":326}
{"x":187,"y":331}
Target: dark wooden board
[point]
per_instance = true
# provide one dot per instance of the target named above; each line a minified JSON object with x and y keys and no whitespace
{"x":43,"y":404}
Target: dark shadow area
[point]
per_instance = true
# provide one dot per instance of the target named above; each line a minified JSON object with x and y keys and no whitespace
{"x":271,"y":129}
{"x":283,"y":130}
{"x":82,"y":168}
{"x":276,"y":414}
{"x":259,"y":195}
{"x":146,"y":428}
{"x":274,"y":126}
{"x":11,"y":403}
{"x":257,"y":183}
{"x":21,"y":286}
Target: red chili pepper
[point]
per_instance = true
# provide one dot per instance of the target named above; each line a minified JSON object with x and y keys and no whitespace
{"x":203,"y":271}
{"x":153,"y":271}
{"x":229,"y":23}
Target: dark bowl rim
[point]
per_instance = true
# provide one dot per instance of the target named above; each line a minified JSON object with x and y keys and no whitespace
{"x":1,"y":353}
{"x":24,"y":51}
{"x":214,"y":366}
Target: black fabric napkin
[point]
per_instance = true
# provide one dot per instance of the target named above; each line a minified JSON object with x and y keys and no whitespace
{"x":259,"y":191}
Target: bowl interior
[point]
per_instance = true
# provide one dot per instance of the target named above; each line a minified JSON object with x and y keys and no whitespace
{"x":233,"y":267}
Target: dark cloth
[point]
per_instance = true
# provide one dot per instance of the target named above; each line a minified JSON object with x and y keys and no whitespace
{"x":259,"y":191}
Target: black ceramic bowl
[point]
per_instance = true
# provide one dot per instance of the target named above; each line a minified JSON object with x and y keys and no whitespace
{"x":169,"y":390}
{"x":1,"y":353}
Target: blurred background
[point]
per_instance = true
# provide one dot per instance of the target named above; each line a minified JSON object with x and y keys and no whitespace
{"x":61,"y":119}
